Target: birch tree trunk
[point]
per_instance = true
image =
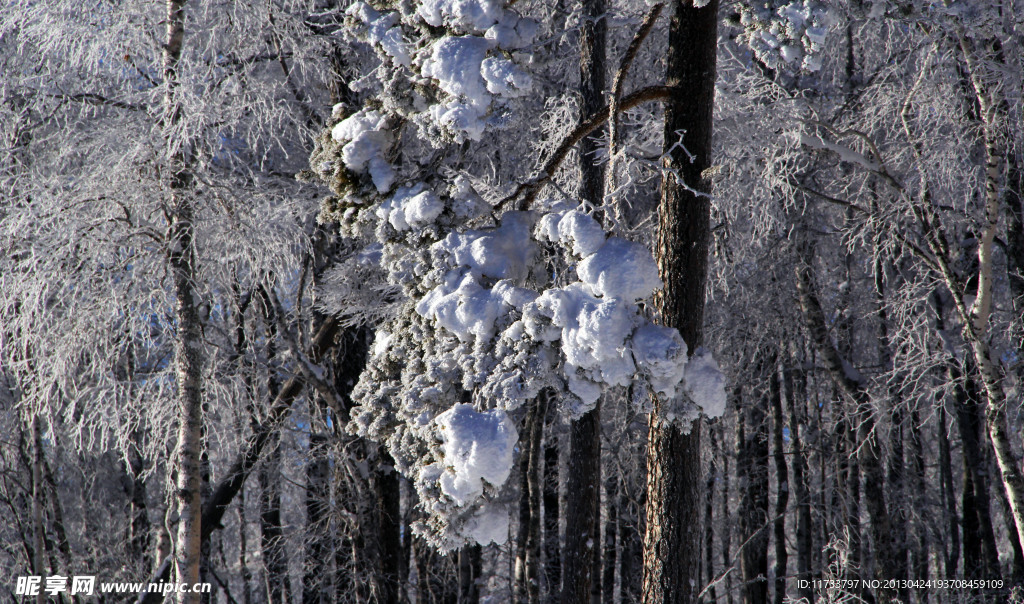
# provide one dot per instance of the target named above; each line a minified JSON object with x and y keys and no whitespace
{"x":673,"y":528}
{"x":782,"y":487}
{"x":188,"y":349}
{"x":994,"y":115}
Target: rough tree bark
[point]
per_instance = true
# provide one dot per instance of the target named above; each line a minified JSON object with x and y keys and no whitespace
{"x":583,"y":512}
{"x":528,"y":539}
{"x":673,"y":528}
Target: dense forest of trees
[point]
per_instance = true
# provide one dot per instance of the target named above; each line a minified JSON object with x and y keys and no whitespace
{"x":478,"y":301}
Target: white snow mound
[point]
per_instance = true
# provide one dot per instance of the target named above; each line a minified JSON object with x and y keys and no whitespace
{"x":478,"y":447}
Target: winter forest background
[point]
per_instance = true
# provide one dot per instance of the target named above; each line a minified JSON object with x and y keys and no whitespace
{"x":534,"y":301}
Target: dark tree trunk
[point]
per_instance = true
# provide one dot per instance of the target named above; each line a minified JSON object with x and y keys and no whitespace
{"x":583,"y":512}
{"x":137,"y":539}
{"x":271,"y":531}
{"x":469,"y":573}
{"x":611,"y":533}
{"x":895,"y":462}
{"x":387,"y":490}
{"x":855,"y":392}
{"x":438,"y":578}
{"x":674,"y":478}
{"x":752,"y":473}
{"x":951,"y":520}
{"x":981,"y":558}
{"x":552,"y":538}
{"x":631,"y":552}
{"x":709,"y":537}
{"x":920,"y":498}
{"x":316,"y":588}
{"x":726,"y":533}
{"x":527,"y":564}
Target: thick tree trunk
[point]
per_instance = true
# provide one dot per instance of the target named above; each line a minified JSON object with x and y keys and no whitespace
{"x":583,"y":512}
{"x":674,"y":477}
{"x":981,"y":558}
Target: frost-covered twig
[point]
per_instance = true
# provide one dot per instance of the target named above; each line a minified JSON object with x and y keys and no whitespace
{"x":529,"y":189}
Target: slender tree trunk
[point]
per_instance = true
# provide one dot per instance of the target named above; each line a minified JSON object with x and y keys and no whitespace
{"x":796,"y":391}
{"x":752,"y":474}
{"x":951,"y":519}
{"x":611,"y":533}
{"x":895,"y":462}
{"x":528,"y":543}
{"x":709,"y":522}
{"x":726,"y":532}
{"x":673,"y":527}
{"x":854,"y":390}
{"x":387,"y":491}
{"x":469,"y":572}
{"x":188,"y":352}
{"x":782,"y":487}
{"x":316,"y":586}
{"x":38,"y":529}
{"x":552,"y":538}
{"x":138,"y":520}
{"x":243,"y":550}
{"x":920,"y":499}
{"x":631,"y":551}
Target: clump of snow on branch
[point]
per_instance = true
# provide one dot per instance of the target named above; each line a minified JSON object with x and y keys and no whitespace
{"x":474,"y":67}
{"x":478,"y":447}
{"x":786,"y":35}
{"x":482,"y":323}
